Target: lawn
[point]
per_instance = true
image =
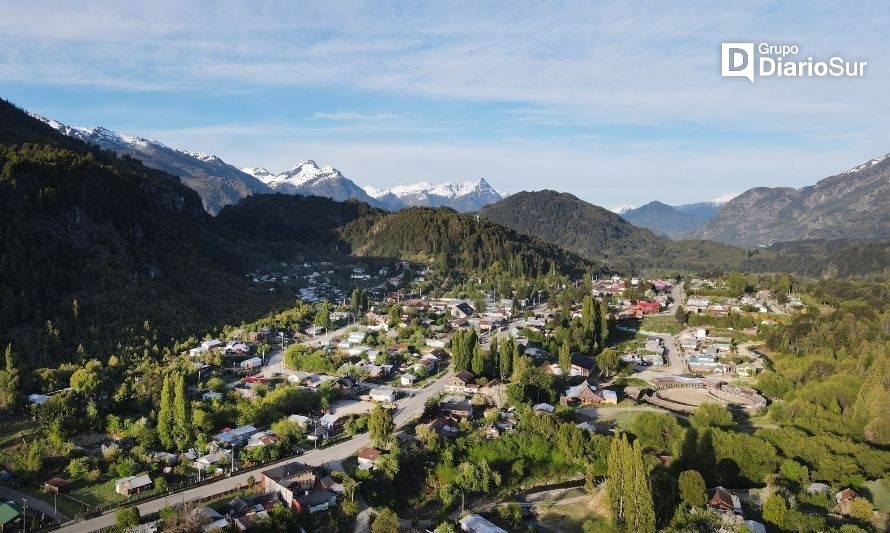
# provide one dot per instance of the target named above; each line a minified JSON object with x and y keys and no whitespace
{"x":880,"y":494}
{"x":569,"y":511}
{"x":661,"y":324}
{"x":95,"y":494}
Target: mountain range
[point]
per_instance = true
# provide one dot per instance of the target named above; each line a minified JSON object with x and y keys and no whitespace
{"x":850,"y":205}
{"x":219,"y":183}
{"x":674,"y":221}
{"x":216,"y":182}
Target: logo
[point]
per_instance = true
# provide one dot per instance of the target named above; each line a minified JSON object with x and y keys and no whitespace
{"x":738,"y":60}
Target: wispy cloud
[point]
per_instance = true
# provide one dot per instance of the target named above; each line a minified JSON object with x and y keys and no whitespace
{"x":362,"y":117}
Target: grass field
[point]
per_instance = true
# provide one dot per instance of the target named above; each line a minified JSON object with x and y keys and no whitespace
{"x":880,"y":493}
{"x":570,"y":510}
{"x":661,"y":324}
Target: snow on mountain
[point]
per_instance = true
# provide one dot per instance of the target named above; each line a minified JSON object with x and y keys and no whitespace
{"x":218,"y":183}
{"x":720,"y":200}
{"x":621,"y":209}
{"x":464,"y":196}
{"x":308,"y":179}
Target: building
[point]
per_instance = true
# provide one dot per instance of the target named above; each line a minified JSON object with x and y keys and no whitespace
{"x":582,"y":365}
{"x":473,"y":523}
{"x":462,"y":310}
{"x":843,"y":499}
{"x":444,"y":427}
{"x":56,"y":485}
{"x":132,"y":484}
{"x":407,"y":380}
{"x":10,"y":516}
{"x":235,"y":437}
{"x":330,"y":421}
{"x":463,"y":382}
{"x":725,"y":502}
{"x":583,"y":393}
{"x":288,"y":481}
{"x":456,"y":407}
{"x":382,"y":395}
{"x":367,"y":457}
{"x":253,"y":362}
{"x":313,"y":501}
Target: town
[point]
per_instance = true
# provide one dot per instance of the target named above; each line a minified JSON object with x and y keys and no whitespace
{"x":340,"y":415}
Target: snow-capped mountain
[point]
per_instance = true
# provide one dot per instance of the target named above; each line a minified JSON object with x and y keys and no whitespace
{"x":308,"y":179}
{"x":465,"y":196}
{"x":708,"y":209}
{"x":217,"y":182}
{"x":621,"y":209}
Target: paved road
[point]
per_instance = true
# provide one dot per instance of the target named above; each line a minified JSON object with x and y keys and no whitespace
{"x":408,"y":409}
{"x":34,"y":504}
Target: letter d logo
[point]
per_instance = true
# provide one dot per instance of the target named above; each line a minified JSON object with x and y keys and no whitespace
{"x":737,"y":60}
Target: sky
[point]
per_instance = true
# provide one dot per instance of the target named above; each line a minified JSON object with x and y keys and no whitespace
{"x":614,"y":103}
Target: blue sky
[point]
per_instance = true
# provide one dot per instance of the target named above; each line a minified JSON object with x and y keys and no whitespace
{"x":612,"y":103}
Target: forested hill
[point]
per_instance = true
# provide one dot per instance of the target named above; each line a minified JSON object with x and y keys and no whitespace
{"x":95,"y":246}
{"x":463,"y":241}
{"x":315,"y":225}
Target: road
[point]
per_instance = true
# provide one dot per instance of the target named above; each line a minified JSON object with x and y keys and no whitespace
{"x":408,"y":409}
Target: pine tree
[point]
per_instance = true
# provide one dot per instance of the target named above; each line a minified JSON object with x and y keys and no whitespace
{"x":182,"y":415}
{"x":165,"y":415}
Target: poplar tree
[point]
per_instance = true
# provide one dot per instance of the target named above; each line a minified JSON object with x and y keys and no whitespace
{"x":642,"y":512}
{"x":477,"y":363}
{"x":565,"y":357}
{"x":506,"y":360}
{"x":182,"y":415}
{"x":9,"y":382}
{"x":165,"y":415}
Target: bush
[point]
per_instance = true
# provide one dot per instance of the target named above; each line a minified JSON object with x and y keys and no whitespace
{"x":693,"y":491}
{"x":127,"y":517}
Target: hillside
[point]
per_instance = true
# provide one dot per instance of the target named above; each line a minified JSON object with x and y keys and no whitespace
{"x":663,"y":219}
{"x":601,"y":235}
{"x":320,"y":226}
{"x":463,"y":241}
{"x":129,"y":244}
{"x":852,"y":205}
{"x":216,"y":182}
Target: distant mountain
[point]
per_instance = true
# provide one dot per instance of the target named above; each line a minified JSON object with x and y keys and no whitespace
{"x":465,"y":197}
{"x":308,"y":179}
{"x":621,"y":209}
{"x":706,"y":210}
{"x":216,"y":182}
{"x":851,"y":205}
{"x":663,"y":219}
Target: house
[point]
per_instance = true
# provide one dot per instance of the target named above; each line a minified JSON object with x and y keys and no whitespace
{"x":330,"y":421}
{"x":263,"y":438}
{"x":345,"y":385}
{"x":382,"y":395}
{"x":38,"y":399}
{"x":253,"y":362}
{"x":463,"y":382}
{"x":367,"y":457}
{"x":745,"y":370}
{"x":211,"y":459}
{"x":428,"y":362}
{"x":300,"y":420}
{"x":210,"y":396}
{"x":473,"y":523}
{"x":462,"y":310}
{"x":584,"y":393}
{"x":235,"y":437}
{"x":581,"y":365}
{"x":725,"y":502}
{"x":643,"y":307}
{"x":543,"y":408}
{"x":313,"y":501}
{"x":609,"y":396}
{"x":10,"y":516}
{"x":288,"y":481}
{"x":55,"y":485}
{"x":843,"y":500}
{"x":444,"y":427}
{"x":132,"y":484}
{"x":211,"y":344}
{"x":327,"y":483}
{"x":456,"y":407}
{"x":356,"y":337}
{"x":537,"y":354}
{"x":407,"y":380}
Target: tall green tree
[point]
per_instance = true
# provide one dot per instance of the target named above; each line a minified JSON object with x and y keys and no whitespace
{"x":565,"y":357}
{"x":642,"y":512}
{"x":628,"y":487}
{"x":9,"y":382}
{"x":182,"y":415}
{"x":477,"y":363}
{"x":608,"y":361}
{"x":380,"y":425}
{"x":506,"y":359}
{"x":165,"y":414}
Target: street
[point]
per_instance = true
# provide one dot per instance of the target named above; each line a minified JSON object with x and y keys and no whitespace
{"x":408,"y":409}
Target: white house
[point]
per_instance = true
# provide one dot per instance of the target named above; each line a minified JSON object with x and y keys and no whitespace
{"x":253,"y":362}
{"x":407,"y":380}
{"x":543,"y":407}
{"x":383,"y":395}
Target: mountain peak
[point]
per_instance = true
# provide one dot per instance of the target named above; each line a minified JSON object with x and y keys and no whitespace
{"x":465,"y":196}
